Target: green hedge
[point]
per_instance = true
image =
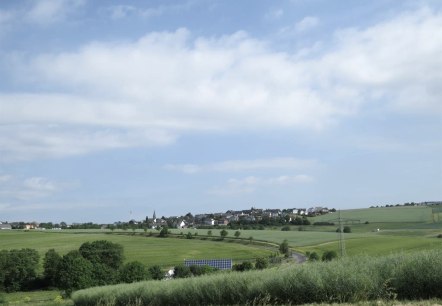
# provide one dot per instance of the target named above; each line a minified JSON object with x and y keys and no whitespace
{"x":404,"y":276}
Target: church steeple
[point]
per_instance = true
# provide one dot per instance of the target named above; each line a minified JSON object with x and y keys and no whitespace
{"x":154,"y":218}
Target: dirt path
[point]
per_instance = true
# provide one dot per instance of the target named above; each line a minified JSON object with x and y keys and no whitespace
{"x":300,"y":258}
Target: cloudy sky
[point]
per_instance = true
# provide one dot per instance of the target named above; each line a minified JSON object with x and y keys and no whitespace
{"x":110,"y":110}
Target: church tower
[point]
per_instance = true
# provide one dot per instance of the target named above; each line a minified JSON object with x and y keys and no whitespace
{"x":154,"y":218}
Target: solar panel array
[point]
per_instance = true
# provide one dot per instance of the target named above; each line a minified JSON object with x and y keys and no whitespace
{"x":221,"y":264}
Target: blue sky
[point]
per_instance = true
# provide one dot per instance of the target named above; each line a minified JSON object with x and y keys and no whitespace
{"x":110,"y":110}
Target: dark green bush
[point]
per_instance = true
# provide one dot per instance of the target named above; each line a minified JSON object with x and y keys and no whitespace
{"x":133,"y":271}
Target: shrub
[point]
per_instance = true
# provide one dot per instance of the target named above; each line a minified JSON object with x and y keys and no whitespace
{"x":156,"y":272}
{"x":284,"y":247}
{"x":181,"y":271}
{"x":261,"y":263}
{"x":346,"y":229}
{"x":313,"y":256}
{"x":201,"y":270}
{"x":223,"y":233}
{"x":133,"y":271}
{"x":285,"y":228}
{"x":244,"y":266}
{"x":329,"y":255}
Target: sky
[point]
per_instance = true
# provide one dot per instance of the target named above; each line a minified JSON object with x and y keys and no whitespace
{"x":111,"y":110}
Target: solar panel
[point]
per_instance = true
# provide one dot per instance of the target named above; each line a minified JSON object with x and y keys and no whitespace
{"x":221,"y":264}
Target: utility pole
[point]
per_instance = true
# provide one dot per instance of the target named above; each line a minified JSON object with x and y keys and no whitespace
{"x":341,"y":235}
{"x":341,"y":222}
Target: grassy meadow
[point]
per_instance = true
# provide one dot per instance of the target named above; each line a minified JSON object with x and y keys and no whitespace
{"x":400,"y":214}
{"x":165,"y":252}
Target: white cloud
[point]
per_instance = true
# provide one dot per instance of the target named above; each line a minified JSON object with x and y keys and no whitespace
{"x":125,"y":11}
{"x":250,"y":184}
{"x":166,"y":84}
{"x":51,"y":11}
{"x":13,"y":188}
{"x":121,"y":11}
{"x":245,"y":165}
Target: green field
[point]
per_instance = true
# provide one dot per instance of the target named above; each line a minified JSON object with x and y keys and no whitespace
{"x":400,"y":229}
{"x":418,"y":214}
{"x":165,"y":252}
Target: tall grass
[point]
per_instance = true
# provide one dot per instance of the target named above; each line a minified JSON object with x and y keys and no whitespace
{"x":404,"y":276}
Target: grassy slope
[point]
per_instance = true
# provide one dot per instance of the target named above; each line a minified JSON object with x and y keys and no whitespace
{"x":148,"y":250}
{"x":401,"y":228}
{"x":421,"y":214}
{"x":352,"y":279}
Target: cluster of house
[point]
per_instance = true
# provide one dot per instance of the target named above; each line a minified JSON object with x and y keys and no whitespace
{"x":248,"y":215}
{"x":209,"y":219}
{"x":8,"y":226}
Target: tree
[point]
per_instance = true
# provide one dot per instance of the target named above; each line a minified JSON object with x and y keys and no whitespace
{"x":223,"y":233}
{"x":329,"y":255}
{"x":18,"y":269}
{"x":346,"y":229}
{"x":261,"y":263}
{"x":51,"y":265}
{"x":164,"y":232}
{"x":189,"y":235}
{"x":156,"y":272}
{"x":103,"y":252}
{"x":284,"y":247}
{"x":237,"y":234}
{"x":133,"y":271}
{"x":104,"y":275}
{"x":209,"y":233}
{"x":75,"y":272}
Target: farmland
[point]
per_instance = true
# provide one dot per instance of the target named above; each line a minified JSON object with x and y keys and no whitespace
{"x":388,"y":231}
{"x":400,"y":229}
{"x":148,"y":250}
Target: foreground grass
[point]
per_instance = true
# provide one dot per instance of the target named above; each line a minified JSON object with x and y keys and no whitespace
{"x":43,"y":298}
{"x":350,"y":280}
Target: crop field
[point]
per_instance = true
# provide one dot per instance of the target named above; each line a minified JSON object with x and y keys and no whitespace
{"x":400,"y":229}
{"x":165,"y":252}
{"x":420,"y":214}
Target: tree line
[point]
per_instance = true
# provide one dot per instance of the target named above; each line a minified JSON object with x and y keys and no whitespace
{"x":93,"y":264}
